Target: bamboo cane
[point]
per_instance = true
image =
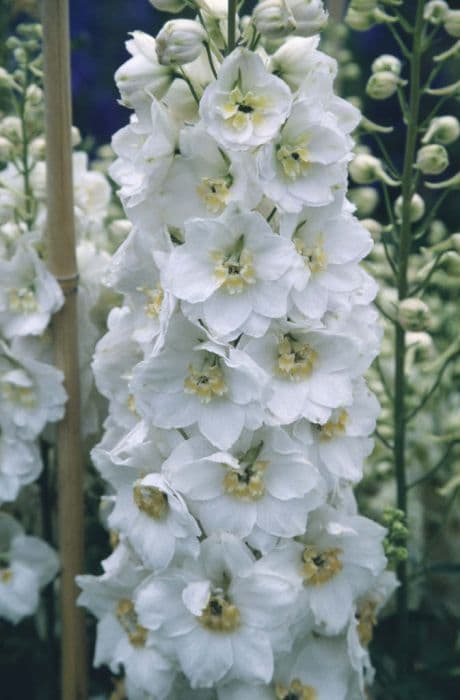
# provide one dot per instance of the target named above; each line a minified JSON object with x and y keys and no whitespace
{"x":62,"y":263}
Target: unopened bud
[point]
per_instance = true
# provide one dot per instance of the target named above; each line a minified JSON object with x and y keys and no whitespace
{"x":359,"y":21}
{"x":374,"y":227}
{"x":6,"y":79}
{"x":452,"y":23}
{"x":180,"y":41}
{"x":444,"y":130}
{"x":274,"y":19}
{"x":365,"y":199}
{"x":413,"y":314}
{"x":75,"y":136}
{"x":435,"y":11}
{"x":310,"y":17}
{"x":37,"y":148}
{"x":455,"y":241}
{"x":387,"y":63}
{"x":10,"y":128}
{"x":417,"y":207}
{"x":364,"y":5}
{"x":432,"y":159}
{"x":382,"y":85}
{"x":366,"y":169}
{"x":34,"y":95}
{"x":5,"y":149}
{"x":120,"y":228}
{"x":172,"y":6}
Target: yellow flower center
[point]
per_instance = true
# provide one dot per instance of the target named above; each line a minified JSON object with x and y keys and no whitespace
{"x":220,"y":615}
{"x":20,"y":395}
{"x":150,"y":500}
{"x":154,"y":299}
{"x":235,"y":270}
{"x":332,"y":428}
{"x":296,"y":360}
{"x":314,"y":256}
{"x":22,"y":300}
{"x":207,"y":383}
{"x":296,"y":691}
{"x":214,"y":192}
{"x":320,"y":566}
{"x":247,"y":483}
{"x":127,"y":617}
{"x":367,"y":618}
{"x":240,"y":109}
{"x":6,"y":575}
{"x":131,"y":403}
{"x":294,"y":158}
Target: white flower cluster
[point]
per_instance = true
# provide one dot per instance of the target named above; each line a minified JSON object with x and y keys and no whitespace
{"x":31,"y":389}
{"x":239,"y":417}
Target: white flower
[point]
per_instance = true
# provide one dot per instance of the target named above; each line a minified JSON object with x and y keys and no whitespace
{"x":204,"y":179}
{"x":27,"y":564}
{"x":265,"y":483}
{"x":245,"y":106}
{"x":273,"y":18}
{"x":298,"y":62}
{"x":309,"y":16}
{"x":236,"y":269}
{"x":305,"y":163}
{"x":330,"y":245}
{"x":339,"y":558}
{"x":309,"y":371}
{"x":121,"y":640}
{"x":31,"y":391}
{"x":20,"y":464}
{"x":220,"y":614}
{"x":155,"y":519}
{"x":340,"y":445}
{"x":142,"y":75}
{"x":29,"y":294}
{"x":194,"y":381}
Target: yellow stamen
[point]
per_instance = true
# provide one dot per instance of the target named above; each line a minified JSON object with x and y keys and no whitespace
{"x":154,"y":298}
{"x":240,"y":109}
{"x":207,"y":383}
{"x":215,"y":193}
{"x":234,"y":272}
{"x":333,"y":428}
{"x":21,"y":395}
{"x":296,"y":691}
{"x":247,"y":483}
{"x":294,"y":158}
{"x":127,"y":618}
{"x":6,"y":575}
{"x":314,"y":256}
{"x":220,"y":615}
{"x":367,"y":618}
{"x":319,"y":566}
{"x":22,"y":300}
{"x":296,"y":360}
{"x":150,"y":500}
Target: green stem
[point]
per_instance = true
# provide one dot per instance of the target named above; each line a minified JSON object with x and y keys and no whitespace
{"x":399,"y":415}
{"x":231,"y":25}
{"x":25,"y":170}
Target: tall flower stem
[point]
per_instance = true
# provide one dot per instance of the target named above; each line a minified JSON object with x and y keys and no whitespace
{"x":231,"y":38}
{"x":405,"y":239}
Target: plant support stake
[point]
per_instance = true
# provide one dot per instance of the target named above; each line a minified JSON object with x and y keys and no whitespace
{"x":62,"y":263}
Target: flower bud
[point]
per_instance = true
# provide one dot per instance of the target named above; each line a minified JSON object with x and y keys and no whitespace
{"x":296,"y":58}
{"x":34,"y":95}
{"x":273,"y":19}
{"x":6,"y":79}
{"x":452,"y":23}
{"x":172,"y":6}
{"x":444,"y":129}
{"x":417,"y":207}
{"x":76,"y":136}
{"x":142,"y":73}
{"x":180,"y":41}
{"x":413,"y":314}
{"x":374,"y":227}
{"x":365,"y":199}
{"x":10,"y":128}
{"x":37,"y":148}
{"x":432,"y":159}
{"x":309,"y":15}
{"x":5,"y":149}
{"x":359,"y":21}
{"x":387,"y":62}
{"x":435,"y":11}
{"x":120,"y":228}
{"x":366,"y":169}
{"x":382,"y":85}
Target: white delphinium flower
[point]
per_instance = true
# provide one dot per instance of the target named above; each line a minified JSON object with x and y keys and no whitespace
{"x":339,"y":558}
{"x":309,"y":16}
{"x":264,"y":483}
{"x":195,"y":381}
{"x":180,"y":41}
{"x":309,"y":371}
{"x":234,"y":272}
{"x":298,"y":61}
{"x":31,"y":391}
{"x":245,"y":106}
{"x":122,"y":642}
{"x":222,"y":616}
{"x":339,"y":446}
{"x":20,"y":464}
{"x":29,"y":294}
{"x":305,"y":163}
{"x":330,"y":245}
{"x":204,"y":179}
{"x":27,"y":564}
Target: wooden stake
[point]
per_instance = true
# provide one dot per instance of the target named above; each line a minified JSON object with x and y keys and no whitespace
{"x":62,"y":263}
